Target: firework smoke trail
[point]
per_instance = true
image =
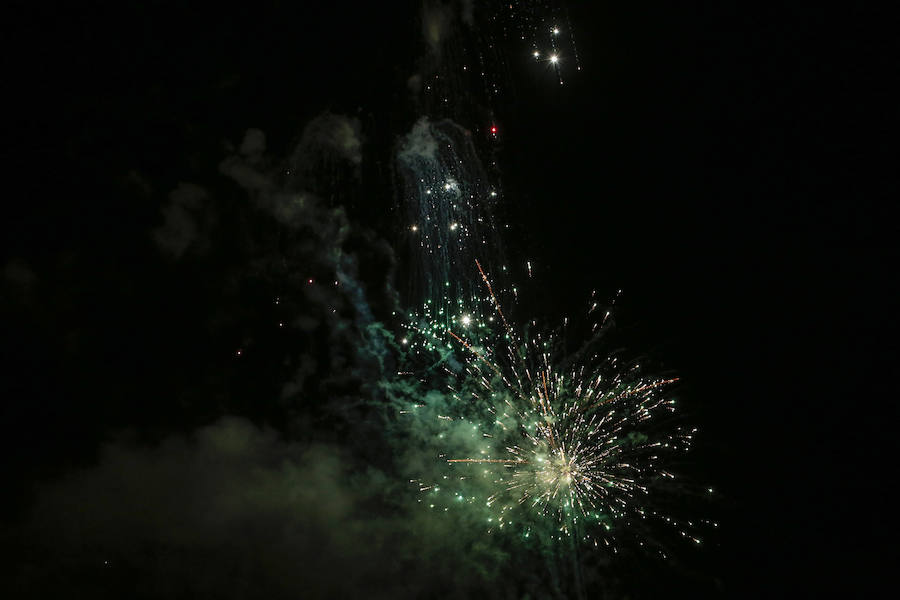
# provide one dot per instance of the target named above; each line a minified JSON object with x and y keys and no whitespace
{"x":577,"y":451}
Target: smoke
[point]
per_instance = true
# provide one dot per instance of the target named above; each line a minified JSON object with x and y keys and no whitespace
{"x":419,"y":143}
{"x":325,"y":159}
{"x":254,"y":144}
{"x":187,"y":222}
{"x":437,"y":18}
{"x":468,"y":12}
{"x":329,"y":270}
{"x":337,"y":135}
{"x":233,"y":510}
{"x":19,"y":279}
{"x":293,"y":209}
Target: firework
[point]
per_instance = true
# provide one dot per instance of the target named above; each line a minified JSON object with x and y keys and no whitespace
{"x":576,"y":446}
{"x":449,"y":206}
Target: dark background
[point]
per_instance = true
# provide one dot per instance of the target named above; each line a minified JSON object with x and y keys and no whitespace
{"x":722,"y":166}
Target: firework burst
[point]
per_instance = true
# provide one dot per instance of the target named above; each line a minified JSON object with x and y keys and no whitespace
{"x":571,"y":445}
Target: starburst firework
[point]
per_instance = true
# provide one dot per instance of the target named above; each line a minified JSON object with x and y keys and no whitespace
{"x":577,"y":442}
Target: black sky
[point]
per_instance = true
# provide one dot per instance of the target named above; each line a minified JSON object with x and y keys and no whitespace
{"x":724,"y":166}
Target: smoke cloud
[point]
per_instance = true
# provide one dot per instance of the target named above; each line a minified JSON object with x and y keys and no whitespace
{"x":233,"y":510}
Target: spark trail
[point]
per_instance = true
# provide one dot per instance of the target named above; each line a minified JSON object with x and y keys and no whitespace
{"x":449,"y":203}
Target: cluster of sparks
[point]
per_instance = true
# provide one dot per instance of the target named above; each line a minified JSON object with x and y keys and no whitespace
{"x":546,"y":28}
{"x":534,"y":31}
{"x":553,"y":56}
{"x":575,"y":447}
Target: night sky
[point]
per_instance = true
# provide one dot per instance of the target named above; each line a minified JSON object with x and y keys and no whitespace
{"x":191,"y":406}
